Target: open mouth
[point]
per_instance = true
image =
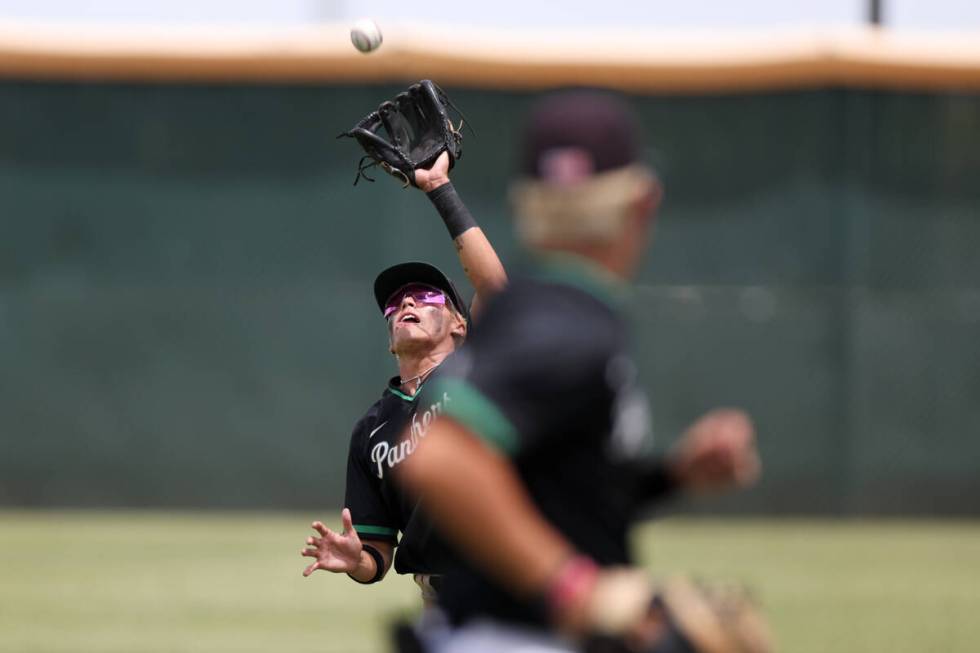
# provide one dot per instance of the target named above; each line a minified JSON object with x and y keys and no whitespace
{"x":411,"y":318}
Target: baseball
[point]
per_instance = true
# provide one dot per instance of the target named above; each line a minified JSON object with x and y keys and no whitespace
{"x":365,"y":35}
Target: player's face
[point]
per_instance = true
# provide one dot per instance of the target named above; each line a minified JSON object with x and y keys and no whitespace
{"x":419,"y":318}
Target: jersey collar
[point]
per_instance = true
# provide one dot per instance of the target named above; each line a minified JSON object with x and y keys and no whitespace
{"x":395,"y":383}
{"x":394,"y":387}
{"x":584,"y":274}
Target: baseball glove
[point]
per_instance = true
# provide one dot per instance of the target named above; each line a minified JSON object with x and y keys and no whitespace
{"x":408,"y":132}
{"x":715,"y":618}
{"x":699,"y":618}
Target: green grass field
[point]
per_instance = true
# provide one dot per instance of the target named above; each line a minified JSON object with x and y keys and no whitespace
{"x":150,"y":581}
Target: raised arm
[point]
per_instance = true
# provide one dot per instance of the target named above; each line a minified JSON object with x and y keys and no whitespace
{"x":477,"y":256}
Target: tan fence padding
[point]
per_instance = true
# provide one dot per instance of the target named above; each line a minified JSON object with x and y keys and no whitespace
{"x":640,"y":61}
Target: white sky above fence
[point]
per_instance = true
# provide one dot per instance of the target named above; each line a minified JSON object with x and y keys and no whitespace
{"x":914,"y":14}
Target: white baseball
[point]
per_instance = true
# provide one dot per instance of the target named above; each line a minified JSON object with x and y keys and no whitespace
{"x":365,"y":35}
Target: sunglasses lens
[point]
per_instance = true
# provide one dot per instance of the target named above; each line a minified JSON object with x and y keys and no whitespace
{"x":430,"y":297}
{"x":421,"y":295}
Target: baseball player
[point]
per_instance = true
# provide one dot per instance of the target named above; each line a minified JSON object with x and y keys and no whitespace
{"x":427,"y":320}
{"x":539,"y":464}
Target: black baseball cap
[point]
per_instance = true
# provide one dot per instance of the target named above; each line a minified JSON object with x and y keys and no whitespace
{"x":398,"y":276}
{"x":596,"y":129}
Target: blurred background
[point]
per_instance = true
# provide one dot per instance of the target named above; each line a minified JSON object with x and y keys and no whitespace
{"x":187,"y":332}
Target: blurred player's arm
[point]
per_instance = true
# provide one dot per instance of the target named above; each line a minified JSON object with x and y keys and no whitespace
{"x":477,"y":256}
{"x":345,"y":553}
{"x":717,"y":452}
{"x":479,"y":502}
{"x":476,"y":497}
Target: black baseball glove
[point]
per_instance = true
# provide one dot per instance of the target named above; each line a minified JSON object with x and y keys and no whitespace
{"x":408,"y":132}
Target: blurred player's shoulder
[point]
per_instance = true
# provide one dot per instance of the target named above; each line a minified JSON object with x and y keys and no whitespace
{"x":562,"y":288}
{"x":546,"y":318}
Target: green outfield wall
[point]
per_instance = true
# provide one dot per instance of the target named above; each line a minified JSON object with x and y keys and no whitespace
{"x":186,"y":317}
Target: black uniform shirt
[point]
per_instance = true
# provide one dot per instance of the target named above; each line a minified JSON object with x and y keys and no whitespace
{"x":546,"y":379}
{"x":379,"y":509}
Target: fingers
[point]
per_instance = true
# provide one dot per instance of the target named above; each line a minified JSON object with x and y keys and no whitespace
{"x":718,"y":451}
{"x":735,"y":470}
{"x":320,"y":528}
{"x":749,"y":469}
{"x":309,"y":570}
{"x":733,"y":423}
{"x":722,"y":432}
{"x":330,"y":538}
{"x":331,"y":564}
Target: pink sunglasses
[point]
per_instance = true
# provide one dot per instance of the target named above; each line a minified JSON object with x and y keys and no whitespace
{"x":421,"y":294}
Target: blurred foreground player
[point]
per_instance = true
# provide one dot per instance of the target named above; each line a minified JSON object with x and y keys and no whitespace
{"x":542,"y":460}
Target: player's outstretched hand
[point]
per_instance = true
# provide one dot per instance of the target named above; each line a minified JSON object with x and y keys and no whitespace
{"x":336,"y":552}
{"x":434,"y":177}
{"x":716,"y":452}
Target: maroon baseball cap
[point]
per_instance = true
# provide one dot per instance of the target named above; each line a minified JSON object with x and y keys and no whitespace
{"x":572,"y":135}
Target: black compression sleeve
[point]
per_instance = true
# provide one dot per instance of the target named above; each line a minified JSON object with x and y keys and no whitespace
{"x":451,"y":209}
{"x":379,"y":563}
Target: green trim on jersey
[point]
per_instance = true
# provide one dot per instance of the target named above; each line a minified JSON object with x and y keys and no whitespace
{"x":474,"y":410}
{"x":375,"y":530}
{"x":581,"y":273}
{"x":399,"y":393}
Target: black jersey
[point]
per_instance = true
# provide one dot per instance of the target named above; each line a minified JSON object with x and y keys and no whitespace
{"x":380,"y":510}
{"x":547,"y":380}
